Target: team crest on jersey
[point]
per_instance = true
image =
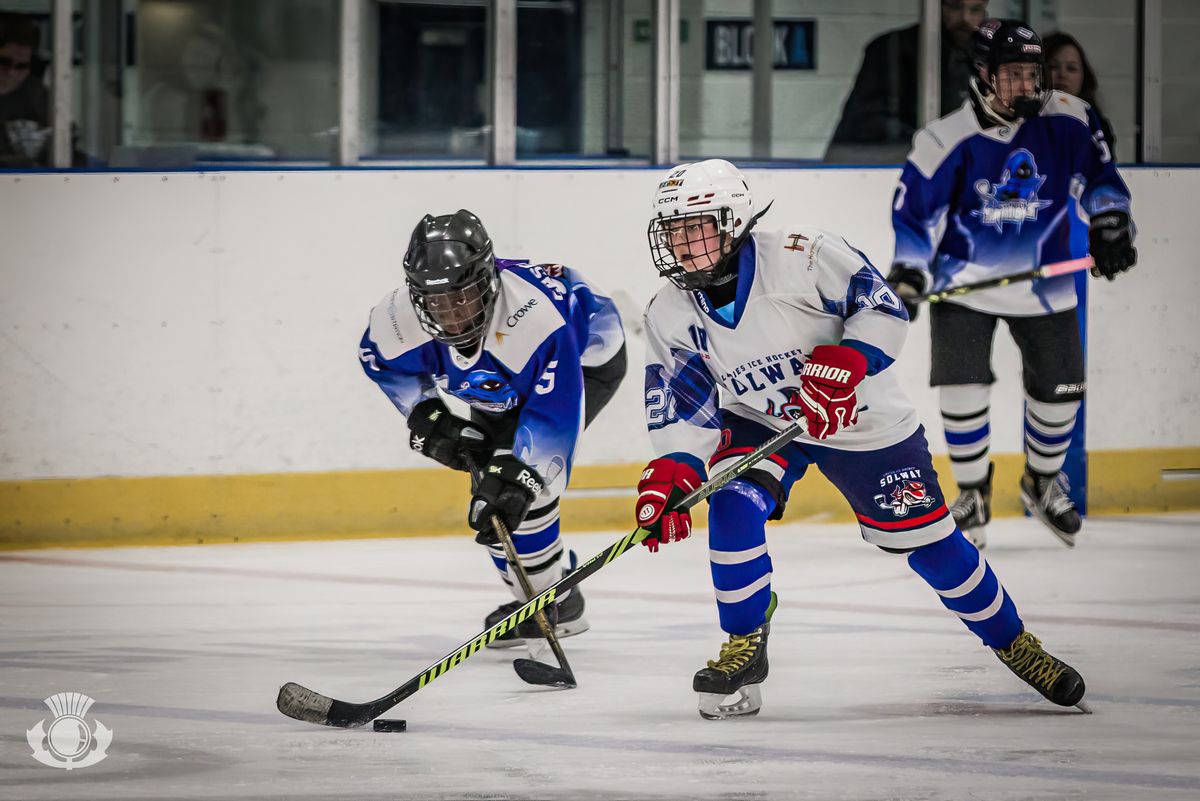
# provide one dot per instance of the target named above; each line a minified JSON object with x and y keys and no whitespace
{"x":903,"y":491}
{"x":1014,"y":198}
{"x":790,"y":408}
{"x":488,"y":391}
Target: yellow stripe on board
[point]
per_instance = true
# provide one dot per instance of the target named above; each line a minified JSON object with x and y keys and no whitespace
{"x":180,"y":510}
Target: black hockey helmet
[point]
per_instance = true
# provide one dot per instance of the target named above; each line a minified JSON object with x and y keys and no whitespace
{"x":1008,"y":41}
{"x":452,"y":280}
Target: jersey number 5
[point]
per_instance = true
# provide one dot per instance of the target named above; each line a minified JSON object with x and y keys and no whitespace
{"x":545,"y":384}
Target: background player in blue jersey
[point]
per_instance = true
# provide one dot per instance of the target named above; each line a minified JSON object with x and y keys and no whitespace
{"x":1017,"y":178}
{"x":761,"y":328}
{"x":535,"y":351}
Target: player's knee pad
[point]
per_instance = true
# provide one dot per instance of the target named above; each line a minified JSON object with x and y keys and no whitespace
{"x":963,"y":399}
{"x":1053,"y":413}
{"x":946,"y":563}
{"x":736,"y":509}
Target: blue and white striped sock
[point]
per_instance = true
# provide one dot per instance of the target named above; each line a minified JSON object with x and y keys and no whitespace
{"x":737,"y":555}
{"x":958,"y":573}
{"x":1048,"y":430}
{"x":539,"y":549}
{"x":968,"y":431}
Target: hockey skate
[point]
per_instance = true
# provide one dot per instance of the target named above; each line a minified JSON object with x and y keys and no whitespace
{"x":1053,"y":678}
{"x":741,"y":669}
{"x":972,"y":510}
{"x":566,"y":616}
{"x":1043,"y":496}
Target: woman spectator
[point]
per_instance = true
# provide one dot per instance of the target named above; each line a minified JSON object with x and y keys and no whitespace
{"x":1071,"y":72}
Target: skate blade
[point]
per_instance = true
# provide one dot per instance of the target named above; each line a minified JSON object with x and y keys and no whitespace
{"x":1084,"y":707}
{"x":748,"y":703}
{"x":568,"y":629}
{"x":1063,"y":537}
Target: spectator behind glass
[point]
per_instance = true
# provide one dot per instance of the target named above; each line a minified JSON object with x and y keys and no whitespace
{"x":24,"y":100}
{"x":1071,"y":72}
{"x":880,"y":115}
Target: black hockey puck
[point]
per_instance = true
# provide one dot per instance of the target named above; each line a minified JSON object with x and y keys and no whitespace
{"x":391,"y":725}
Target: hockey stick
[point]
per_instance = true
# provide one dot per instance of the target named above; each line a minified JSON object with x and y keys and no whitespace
{"x":530,"y":670}
{"x":1045,"y":271}
{"x":304,"y":704}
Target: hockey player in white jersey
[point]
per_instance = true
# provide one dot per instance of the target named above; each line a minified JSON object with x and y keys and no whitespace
{"x":762,"y":328}
{"x":1015,"y":179}
{"x":535,"y":351}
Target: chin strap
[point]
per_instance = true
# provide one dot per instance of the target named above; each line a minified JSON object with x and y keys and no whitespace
{"x":984,"y":103}
{"x":719,"y":269}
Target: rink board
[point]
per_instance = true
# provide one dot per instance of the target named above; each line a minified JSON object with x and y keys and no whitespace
{"x":206,"y":509}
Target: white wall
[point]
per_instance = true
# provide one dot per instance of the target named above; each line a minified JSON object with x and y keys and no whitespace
{"x":207,"y":324}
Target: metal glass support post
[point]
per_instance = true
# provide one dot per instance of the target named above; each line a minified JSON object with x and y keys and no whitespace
{"x":60,"y":122}
{"x":929,"y":76}
{"x":1150,"y":73}
{"x":614,"y":77}
{"x":502,"y":148}
{"x":349,"y":141}
{"x":666,"y":81}
{"x":764,"y":58}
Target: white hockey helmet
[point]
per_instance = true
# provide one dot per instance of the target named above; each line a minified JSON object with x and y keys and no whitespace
{"x":712,"y":189}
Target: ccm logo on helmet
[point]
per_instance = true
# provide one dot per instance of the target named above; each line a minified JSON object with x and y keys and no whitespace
{"x":516,"y":316}
{"x":671,"y":199}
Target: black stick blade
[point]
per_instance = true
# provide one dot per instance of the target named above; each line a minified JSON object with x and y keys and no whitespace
{"x":541,"y":674}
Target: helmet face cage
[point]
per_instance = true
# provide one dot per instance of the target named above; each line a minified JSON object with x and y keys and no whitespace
{"x":460,"y":316}
{"x":1000,"y":42}
{"x":1007,"y":85}
{"x":685,"y":234}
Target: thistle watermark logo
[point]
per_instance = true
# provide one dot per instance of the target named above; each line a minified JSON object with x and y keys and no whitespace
{"x":69,"y":742}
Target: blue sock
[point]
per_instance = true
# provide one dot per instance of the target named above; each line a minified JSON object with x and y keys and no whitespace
{"x":737,"y":543}
{"x":958,"y":573}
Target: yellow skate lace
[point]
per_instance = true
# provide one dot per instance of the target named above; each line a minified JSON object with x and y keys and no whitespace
{"x":735,"y":653}
{"x":1027,"y":658}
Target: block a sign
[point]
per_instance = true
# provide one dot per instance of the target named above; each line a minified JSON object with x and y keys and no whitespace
{"x":729,"y":44}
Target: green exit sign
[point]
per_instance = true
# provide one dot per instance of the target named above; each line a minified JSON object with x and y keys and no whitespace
{"x":642,"y":32}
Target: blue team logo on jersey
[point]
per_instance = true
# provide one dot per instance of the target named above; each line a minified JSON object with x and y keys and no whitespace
{"x":1014,"y":199}
{"x":487,"y":390}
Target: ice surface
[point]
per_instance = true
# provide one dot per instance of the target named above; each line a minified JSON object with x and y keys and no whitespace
{"x":875,"y":691}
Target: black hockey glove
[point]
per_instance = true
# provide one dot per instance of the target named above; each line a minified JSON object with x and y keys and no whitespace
{"x":441,"y":436}
{"x":506,"y":490}
{"x":908,"y":282}
{"x":1110,"y":240}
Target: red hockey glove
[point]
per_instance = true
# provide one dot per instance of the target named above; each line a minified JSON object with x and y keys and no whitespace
{"x":827,"y":385}
{"x":664,"y":483}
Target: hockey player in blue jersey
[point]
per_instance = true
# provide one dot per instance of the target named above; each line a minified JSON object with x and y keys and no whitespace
{"x":535,"y":351}
{"x":1010,"y":181}
{"x":759,"y":329}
